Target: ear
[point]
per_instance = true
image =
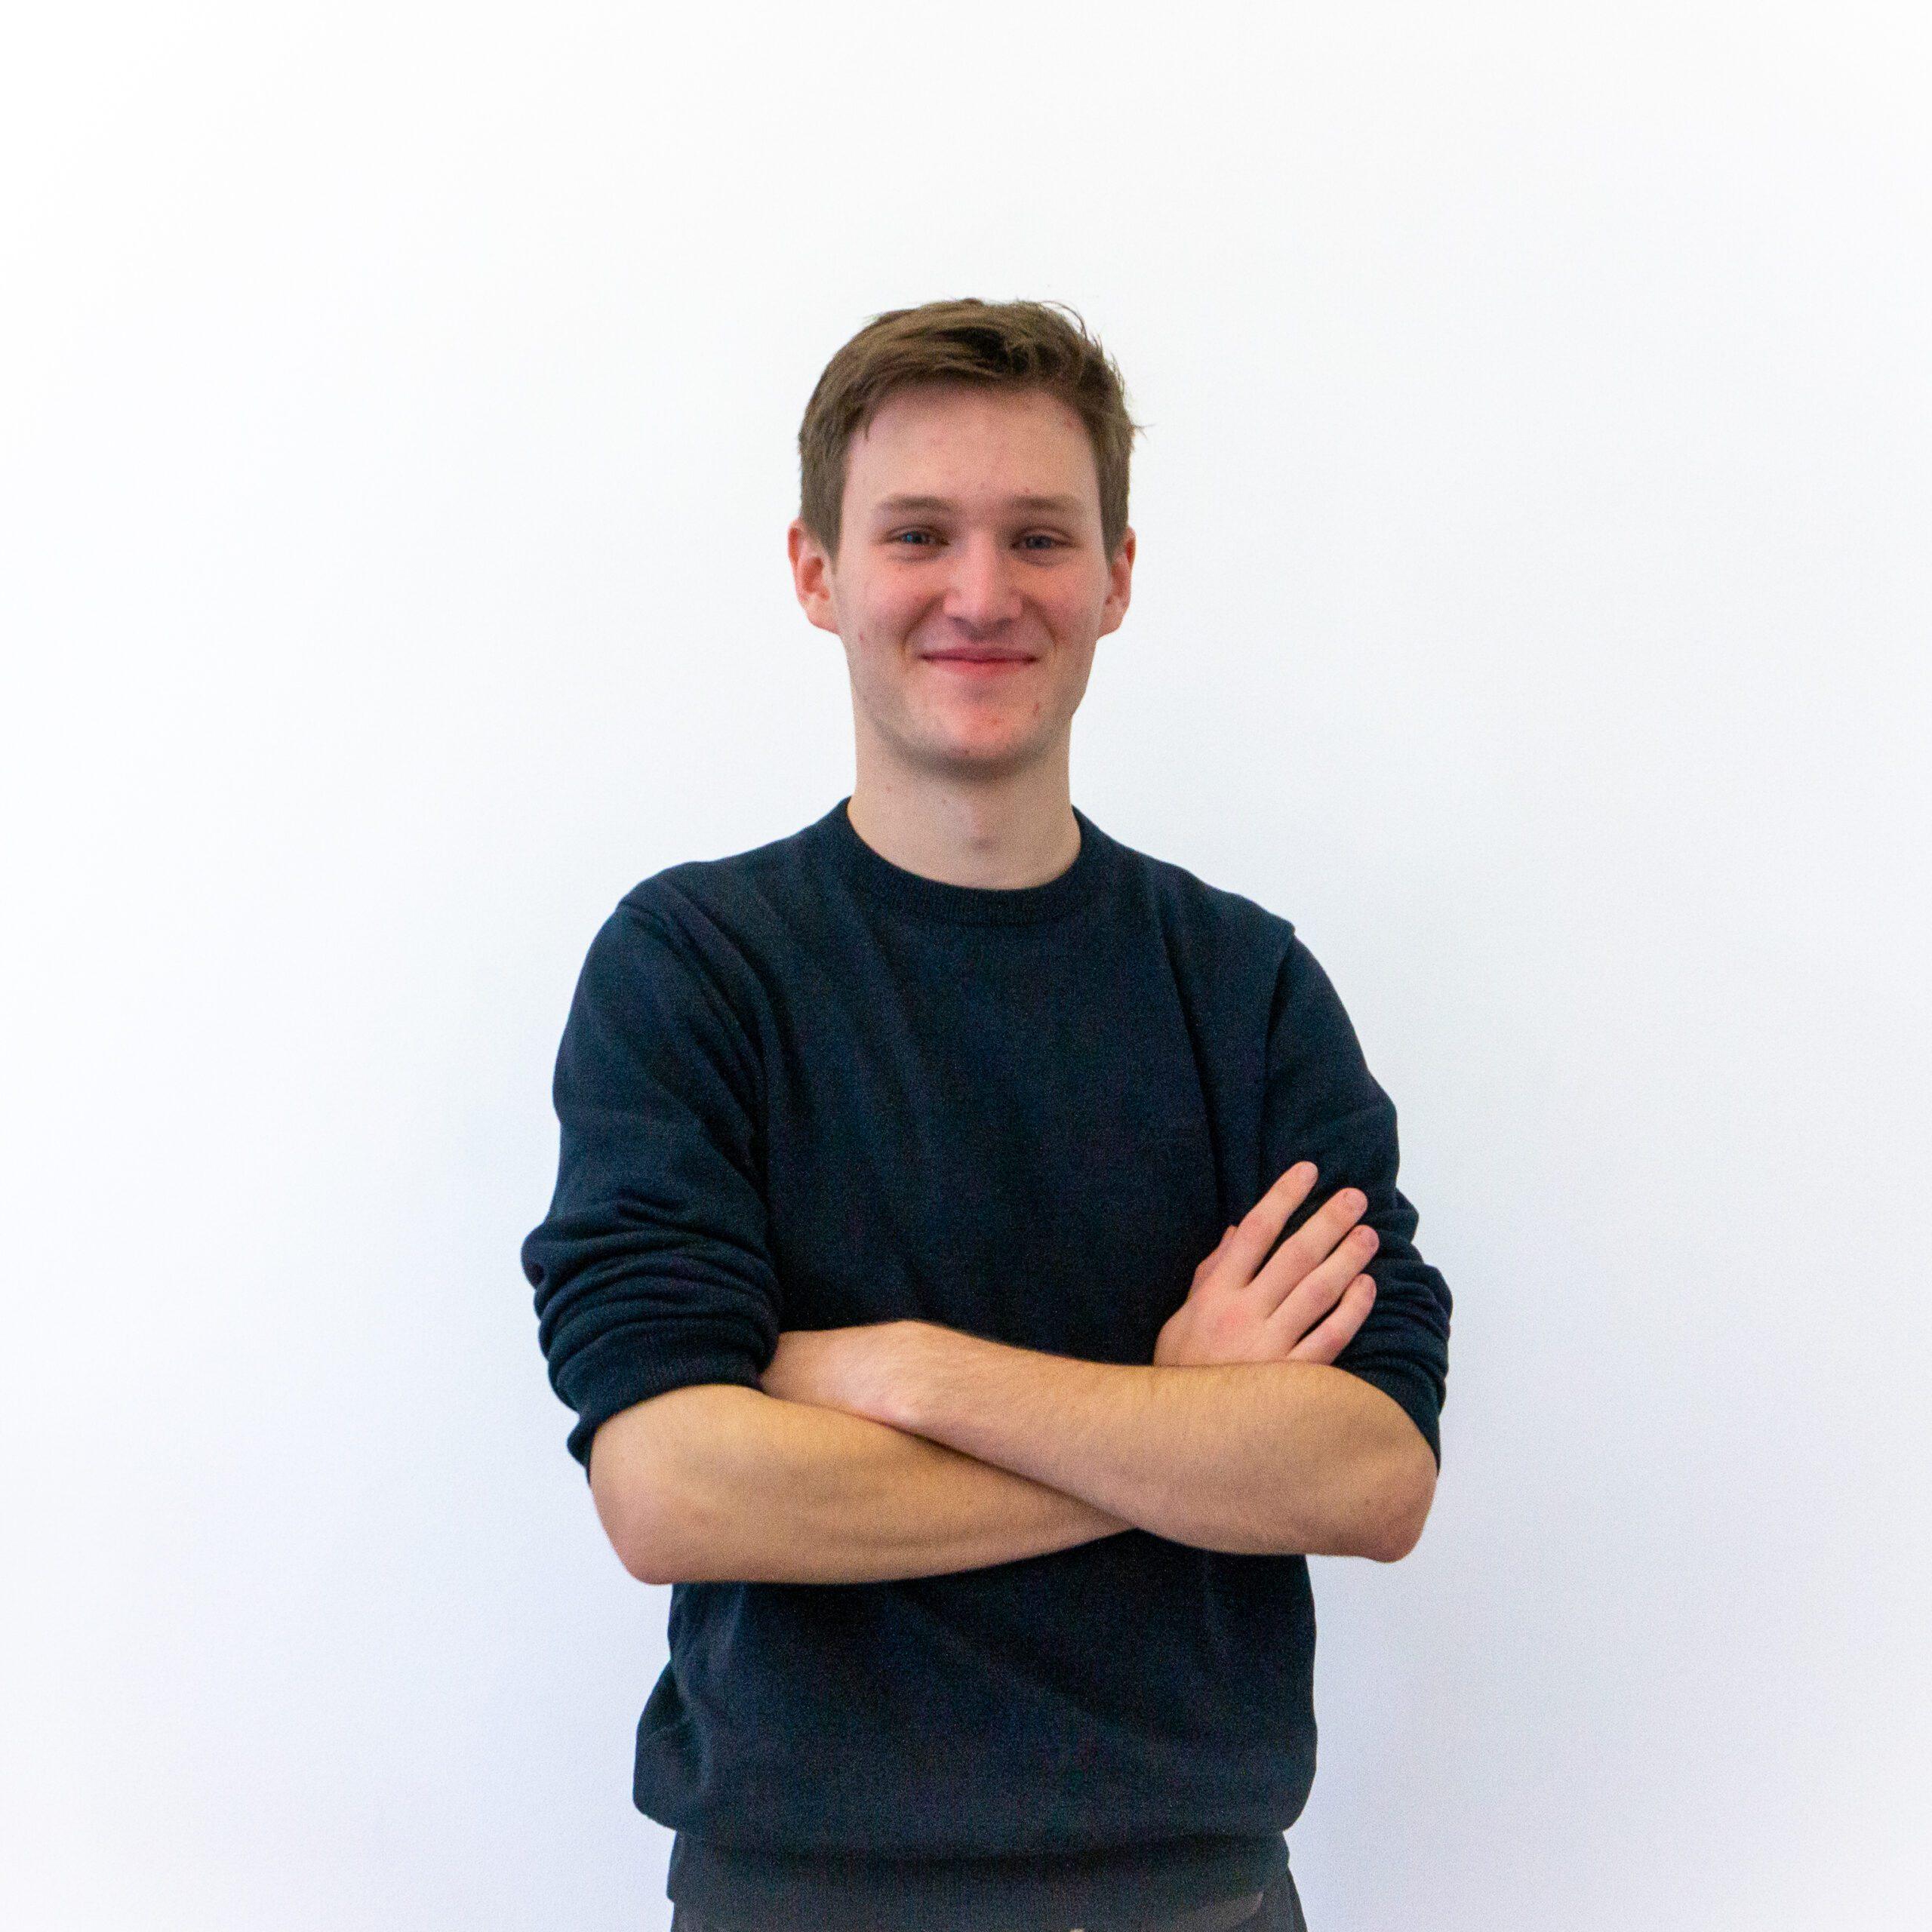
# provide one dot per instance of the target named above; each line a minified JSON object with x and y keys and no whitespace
{"x":1120,"y":583}
{"x":812,"y":576}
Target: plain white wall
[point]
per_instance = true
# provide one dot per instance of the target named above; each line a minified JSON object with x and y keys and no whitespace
{"x":398,"y":441}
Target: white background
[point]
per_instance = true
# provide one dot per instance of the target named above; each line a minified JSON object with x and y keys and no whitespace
{"x":397,"y":409}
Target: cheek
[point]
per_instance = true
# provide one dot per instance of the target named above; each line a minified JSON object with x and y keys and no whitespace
{"x":1074,"y":605}
{"x":886,"y":612}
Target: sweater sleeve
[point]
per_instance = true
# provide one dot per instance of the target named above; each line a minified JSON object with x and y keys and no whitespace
{"x":1323,"y":1105}
{"x":651,"y":1269}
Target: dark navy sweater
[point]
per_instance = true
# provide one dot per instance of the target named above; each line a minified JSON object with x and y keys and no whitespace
{"x":802,"y":1088}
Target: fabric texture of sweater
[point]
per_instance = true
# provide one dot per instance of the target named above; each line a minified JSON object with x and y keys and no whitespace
{"x":802,"y":1087}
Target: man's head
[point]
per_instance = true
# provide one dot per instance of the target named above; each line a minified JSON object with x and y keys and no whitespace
{"x":963,"y":484}
{"x":1005,"y":346}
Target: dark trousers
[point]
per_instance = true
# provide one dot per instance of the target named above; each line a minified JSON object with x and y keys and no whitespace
{"x":1277,"y":1909}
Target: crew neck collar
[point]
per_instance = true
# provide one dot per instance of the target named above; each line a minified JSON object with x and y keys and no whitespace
{"x":877,"y":878}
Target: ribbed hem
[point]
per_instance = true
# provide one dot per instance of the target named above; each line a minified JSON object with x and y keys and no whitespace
{"x":1111,"y":1889}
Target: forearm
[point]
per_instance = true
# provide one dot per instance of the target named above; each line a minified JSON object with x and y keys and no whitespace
{"x":1275,"y":1457}
{"x":723,"y":1483}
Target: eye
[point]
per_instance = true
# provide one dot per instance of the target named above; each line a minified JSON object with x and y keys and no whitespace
{"x":1041,"y":537}
{"x":900,"y":536}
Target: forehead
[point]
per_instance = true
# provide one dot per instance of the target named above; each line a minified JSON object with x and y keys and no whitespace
{"x":958,"y":440}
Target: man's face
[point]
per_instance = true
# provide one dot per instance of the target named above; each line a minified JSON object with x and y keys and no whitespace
{"x":970,"y":588}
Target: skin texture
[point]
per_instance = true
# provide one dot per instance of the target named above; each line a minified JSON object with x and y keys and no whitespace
{"x":1259,"y":1457}
{"x":906,"y":1448}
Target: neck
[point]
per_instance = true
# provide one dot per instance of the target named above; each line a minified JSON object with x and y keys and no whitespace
{"x":1019,"y":831}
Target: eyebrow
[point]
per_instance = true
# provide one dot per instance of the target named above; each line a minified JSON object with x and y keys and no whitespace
{"x":895,"y":506}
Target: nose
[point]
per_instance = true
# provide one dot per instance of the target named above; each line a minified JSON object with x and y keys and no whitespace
{"x":980,"y":593}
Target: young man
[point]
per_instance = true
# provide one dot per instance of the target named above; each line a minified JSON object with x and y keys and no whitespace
{"x":917,"y":1267}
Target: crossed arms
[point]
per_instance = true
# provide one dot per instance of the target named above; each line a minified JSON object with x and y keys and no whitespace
{"x":905,"y":1449}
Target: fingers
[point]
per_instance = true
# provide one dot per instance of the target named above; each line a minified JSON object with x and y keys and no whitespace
{"x":1317,"y":1238}
{"x":1322,"y":1287}
{"x":1304,"y":1279}
{"x":1207,"y":1261}
{"x":1328,"y":1338}
{"x":1260,"y":1228}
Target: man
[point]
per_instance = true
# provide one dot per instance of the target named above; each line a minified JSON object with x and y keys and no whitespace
{"x":917,"y":1264}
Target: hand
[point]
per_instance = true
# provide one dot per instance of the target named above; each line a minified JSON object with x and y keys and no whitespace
{"x":858,"y":1369}
{"x":1304,"y":1306}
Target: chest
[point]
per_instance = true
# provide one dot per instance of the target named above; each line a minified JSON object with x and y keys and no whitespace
{"x":1034,"y":1150}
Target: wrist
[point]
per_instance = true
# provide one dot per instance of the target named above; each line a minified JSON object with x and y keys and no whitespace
{"x":896,"y":1395}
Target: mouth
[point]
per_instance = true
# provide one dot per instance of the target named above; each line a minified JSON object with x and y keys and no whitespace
{"x":978,"y":660}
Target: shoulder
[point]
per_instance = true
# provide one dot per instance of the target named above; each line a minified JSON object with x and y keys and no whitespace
{"x":723,"y":892}
{"x":1213,"y":922}
{"x":716,"y":917}
{"x":720,"y":934}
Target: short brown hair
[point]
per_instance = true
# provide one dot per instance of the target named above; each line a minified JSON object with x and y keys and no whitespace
{"x":996,"y":345}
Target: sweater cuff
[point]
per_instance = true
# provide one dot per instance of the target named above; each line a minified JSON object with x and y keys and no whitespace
{"x":614,"y":1374}
{"x":1417,"y":1399}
